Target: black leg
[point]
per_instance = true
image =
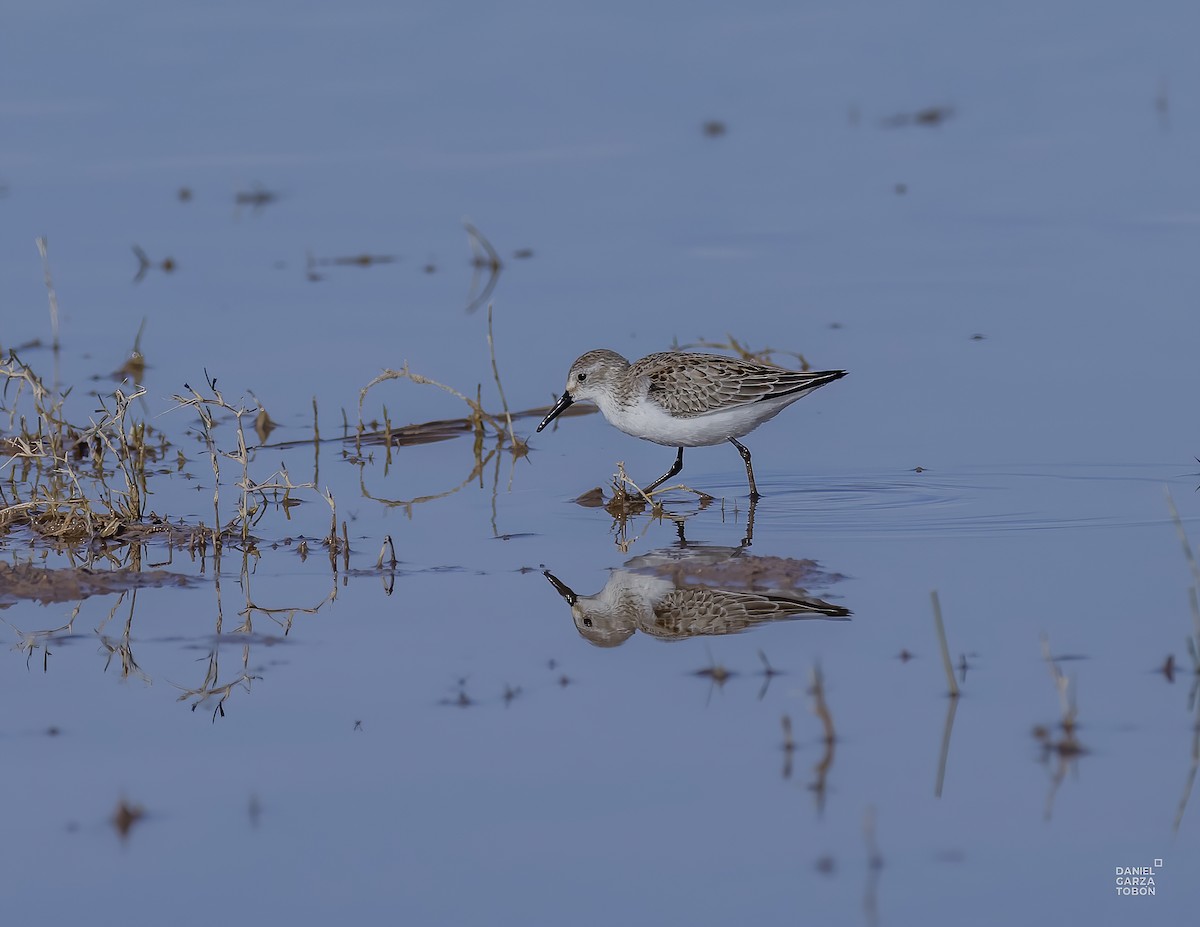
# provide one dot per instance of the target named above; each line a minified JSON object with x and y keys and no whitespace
{"x":675,"y":468}
{"x":749,"y":538}
{"x":745,"y":452}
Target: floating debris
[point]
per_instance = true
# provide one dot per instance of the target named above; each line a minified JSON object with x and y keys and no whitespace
{"x":125,"y":817}
{"x":460,"y":700}
{"x":257,"y":198}
{"x":167,"y":265}
{"x":592,"y":499}
{"x":929,"y":116}
{"x":356,"y":260}
{"x":714,"y":128}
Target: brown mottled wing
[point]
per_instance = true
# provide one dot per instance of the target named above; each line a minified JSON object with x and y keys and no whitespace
{"x":688,"y":388}
{"x":695,"y":610}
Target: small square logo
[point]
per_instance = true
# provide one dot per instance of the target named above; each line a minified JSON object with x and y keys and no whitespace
{"x":1158,"y":864}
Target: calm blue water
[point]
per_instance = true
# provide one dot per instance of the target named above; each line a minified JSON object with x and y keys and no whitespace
{"x":1055,"y":213}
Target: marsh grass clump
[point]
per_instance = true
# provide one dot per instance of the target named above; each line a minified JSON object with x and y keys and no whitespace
{"x":254,"y":495}
{"x":79,"y":489}
{"x":70,"y":483}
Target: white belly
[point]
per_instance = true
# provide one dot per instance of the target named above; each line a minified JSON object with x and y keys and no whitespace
{"x":649,"y":421}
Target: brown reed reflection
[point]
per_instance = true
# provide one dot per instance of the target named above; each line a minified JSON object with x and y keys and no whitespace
{"x":1064,"y":746}
{"x":820,"y":708}
{"x":689,"y":591}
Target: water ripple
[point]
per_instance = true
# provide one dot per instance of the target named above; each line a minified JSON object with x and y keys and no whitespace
{"x":976,"y":501}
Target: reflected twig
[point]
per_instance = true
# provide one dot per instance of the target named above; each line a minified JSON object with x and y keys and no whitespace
{"x":717,"y":675}
{"x":517,"y":445}
{"x":788,"y":746}
{"x":1183,"y":540}
{"x":282,"y":616}
{"x":206,"y":692}
{"x":1193,"y":648}
{"x":123,"y":648}
{"x":1067,"y":747}
{"x":874,"y":868}
{"x":768,"y":673}
{"x":408,"y":505}
{"x":829,"y":737}
{"x":951,"y":709}
{"x":483,"y":257}
{"x":940,"y":627}
{"x":166,"y":265}
{"x":1195,"y":765}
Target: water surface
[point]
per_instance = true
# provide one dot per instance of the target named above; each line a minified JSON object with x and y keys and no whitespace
{"x":1011,"y":289}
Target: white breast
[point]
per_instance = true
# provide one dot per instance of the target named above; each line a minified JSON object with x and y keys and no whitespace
{"x":646,"y":419}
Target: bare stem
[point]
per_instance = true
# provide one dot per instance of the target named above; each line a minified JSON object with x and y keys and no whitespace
{"x":941,"y":633}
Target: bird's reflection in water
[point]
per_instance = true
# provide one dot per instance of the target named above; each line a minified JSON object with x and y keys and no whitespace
{"x":683,"y":592}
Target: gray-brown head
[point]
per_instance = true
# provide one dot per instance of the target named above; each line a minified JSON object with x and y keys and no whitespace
{"x":588,"y":378}
{"x":599,"y":624}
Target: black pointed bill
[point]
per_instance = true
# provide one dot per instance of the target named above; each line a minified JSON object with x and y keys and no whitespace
{"x":561,"y":588}
{"x":564,"y":401}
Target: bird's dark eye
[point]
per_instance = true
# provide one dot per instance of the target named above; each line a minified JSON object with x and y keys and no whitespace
{"x":587,"y":622}
{"x":581,"y":377}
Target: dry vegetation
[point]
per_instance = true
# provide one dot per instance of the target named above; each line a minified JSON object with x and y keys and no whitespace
{"x":81,"y":499}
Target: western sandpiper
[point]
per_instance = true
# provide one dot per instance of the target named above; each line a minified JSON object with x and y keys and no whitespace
{"x":671,"y":607}
{"x":686,"y":400}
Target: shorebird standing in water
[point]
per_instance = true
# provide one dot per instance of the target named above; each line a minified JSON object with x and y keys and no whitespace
{"x":686,"y":400}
